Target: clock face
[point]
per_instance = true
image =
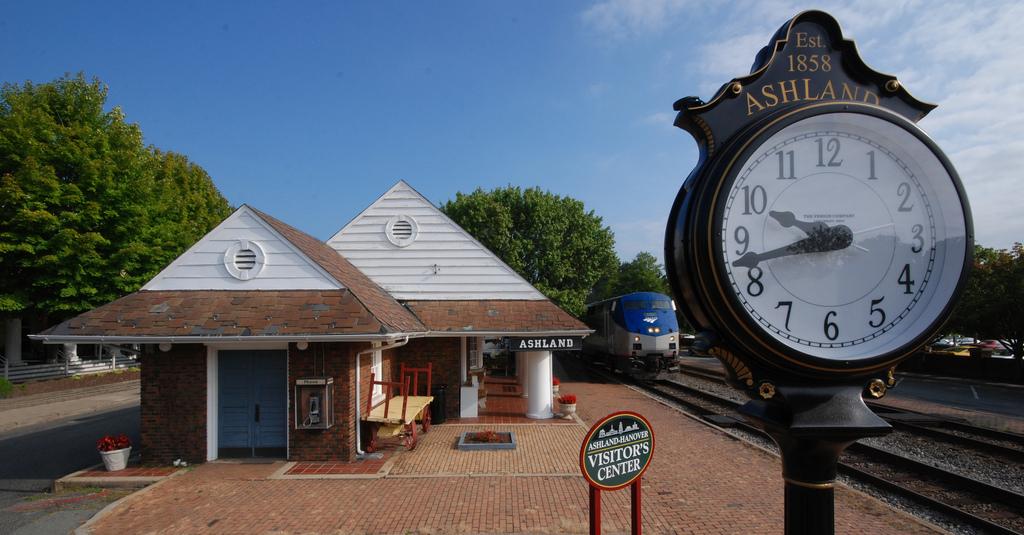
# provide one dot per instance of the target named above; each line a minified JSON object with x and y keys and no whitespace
{"x":843,"y":236}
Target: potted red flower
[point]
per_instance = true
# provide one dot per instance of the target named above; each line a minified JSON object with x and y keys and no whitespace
{"x":115,"y":451}
{"x":568,"y":404}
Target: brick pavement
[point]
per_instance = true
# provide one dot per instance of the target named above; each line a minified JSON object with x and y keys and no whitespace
{"x":699,"y":482}
{"x":541,"y":449}
{"x":335,"y":468}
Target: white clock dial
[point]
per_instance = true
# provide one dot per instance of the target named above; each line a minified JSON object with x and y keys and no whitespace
{"x":843,"y":236}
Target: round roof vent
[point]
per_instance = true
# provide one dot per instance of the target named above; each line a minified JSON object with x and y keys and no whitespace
{"x":245,"y":259}
{"x":401,"y":230}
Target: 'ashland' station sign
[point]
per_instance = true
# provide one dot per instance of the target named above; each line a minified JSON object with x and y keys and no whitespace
{"x":545,"y":343}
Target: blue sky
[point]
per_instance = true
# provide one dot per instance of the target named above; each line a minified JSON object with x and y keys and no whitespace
{"x":310,"y":110}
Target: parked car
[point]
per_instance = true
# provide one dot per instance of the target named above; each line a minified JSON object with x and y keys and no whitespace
{"x":995,"y":348}
{"x":993,"y":345}
{"x":941,"y":343}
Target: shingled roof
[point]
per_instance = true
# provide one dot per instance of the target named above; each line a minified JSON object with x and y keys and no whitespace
{"x":224,"y":313}
{"x":495,"y":316}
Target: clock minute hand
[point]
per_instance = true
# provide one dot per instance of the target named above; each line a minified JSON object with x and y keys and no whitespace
{"x":829,"y":239}
{"x":787,"y":219}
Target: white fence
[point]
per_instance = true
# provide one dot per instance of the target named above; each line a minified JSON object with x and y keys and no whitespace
{"x":64,"y":367}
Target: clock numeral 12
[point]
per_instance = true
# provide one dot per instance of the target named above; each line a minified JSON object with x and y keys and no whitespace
{"x":871,"y":166}
{"x":833,"y":147}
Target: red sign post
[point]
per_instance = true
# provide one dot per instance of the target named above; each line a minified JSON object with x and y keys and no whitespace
{"x":616,"y":453}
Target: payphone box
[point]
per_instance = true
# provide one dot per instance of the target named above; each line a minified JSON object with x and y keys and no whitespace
{"x":314,"y":399}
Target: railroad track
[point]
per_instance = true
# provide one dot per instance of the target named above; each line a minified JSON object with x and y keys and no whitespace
{"x":986,"y":507}
{"x":1000,"y":444}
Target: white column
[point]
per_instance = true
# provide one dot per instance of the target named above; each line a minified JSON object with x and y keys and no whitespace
{"x":463,"y":364}
{"x":213,"y":404}
{"x":71,"y":352}
{"x":538,"y":406}
{"x":12,"y":347}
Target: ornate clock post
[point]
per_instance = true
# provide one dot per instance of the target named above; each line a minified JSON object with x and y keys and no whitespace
{"x":821,"y":239}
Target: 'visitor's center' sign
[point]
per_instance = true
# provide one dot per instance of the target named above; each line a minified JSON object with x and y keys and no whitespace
{"x":617,"y":450}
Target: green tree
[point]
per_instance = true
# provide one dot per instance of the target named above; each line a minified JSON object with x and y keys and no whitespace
{"x":642,"y":274}
{"x":87,"y":211}
{"x":992,"y":305}
{"x":552,"y":241}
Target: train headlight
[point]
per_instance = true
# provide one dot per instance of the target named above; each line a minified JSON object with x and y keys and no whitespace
{"x":672,"y":338}
{"x":657,"y":329}
{"x":636,"y":338}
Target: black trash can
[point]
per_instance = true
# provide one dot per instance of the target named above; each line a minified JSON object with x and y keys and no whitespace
{"x":437,"y":407}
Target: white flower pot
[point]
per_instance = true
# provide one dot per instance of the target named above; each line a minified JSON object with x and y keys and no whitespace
{"x":554,"y":389}
{"x":568,"y":410}
{"x":117,"y":459}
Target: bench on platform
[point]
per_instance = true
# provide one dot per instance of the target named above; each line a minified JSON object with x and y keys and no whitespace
{"x":397,"y":414}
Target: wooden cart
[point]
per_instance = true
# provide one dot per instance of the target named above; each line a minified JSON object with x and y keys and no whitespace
{"x":397,"y":414}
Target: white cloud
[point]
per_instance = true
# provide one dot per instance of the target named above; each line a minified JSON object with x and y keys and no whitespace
{"x":967,"y":60}
{"x":629,"y":18}
{"x":724,"y":60}
{"x":964,"y":56}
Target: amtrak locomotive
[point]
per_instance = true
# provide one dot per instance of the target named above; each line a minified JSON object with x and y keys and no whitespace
{"x":635,"y":333}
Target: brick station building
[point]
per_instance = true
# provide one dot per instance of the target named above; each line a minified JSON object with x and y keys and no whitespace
{"x":227,"y":329}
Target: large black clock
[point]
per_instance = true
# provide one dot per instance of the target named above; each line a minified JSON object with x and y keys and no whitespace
{"x":827,"y":236}
{"x":821,"y":238}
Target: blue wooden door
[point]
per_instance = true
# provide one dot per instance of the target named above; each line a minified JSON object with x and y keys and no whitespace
{"x":236,"y":413}
{"x":253,"y":403}
{"x":271,"y":396}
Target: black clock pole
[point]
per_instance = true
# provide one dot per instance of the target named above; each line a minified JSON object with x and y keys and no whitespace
{"x":812,"y":425}
{"x":736,"y":219}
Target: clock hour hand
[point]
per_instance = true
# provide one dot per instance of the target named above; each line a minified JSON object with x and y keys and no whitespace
{"x":787,"y":219}
{"x":821,"y":241}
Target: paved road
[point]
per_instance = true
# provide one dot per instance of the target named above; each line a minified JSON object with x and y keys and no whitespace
{"x":967,"y":394}
{"x":963,"y":394}
{"x":32,"y":457}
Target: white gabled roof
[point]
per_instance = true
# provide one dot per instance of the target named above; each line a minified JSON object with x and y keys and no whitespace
{"x":274,"y":262}
{"x":427,"y":256}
